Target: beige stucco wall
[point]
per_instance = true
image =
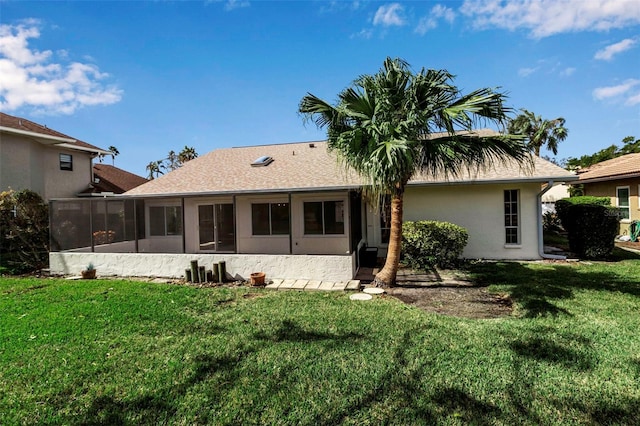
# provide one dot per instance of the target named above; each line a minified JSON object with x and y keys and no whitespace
{"x":608,"y":189}
{"x":479,"y":209}
{"x":27,"y":164}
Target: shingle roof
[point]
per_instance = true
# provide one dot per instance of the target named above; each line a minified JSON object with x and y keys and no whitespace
{"x":23,"y":124}
{"x":114,"y":179}
{"x":617,"y":168}
{"x":304,"y":166}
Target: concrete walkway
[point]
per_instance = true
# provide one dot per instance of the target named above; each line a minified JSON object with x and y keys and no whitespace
{"x":313,"y":285}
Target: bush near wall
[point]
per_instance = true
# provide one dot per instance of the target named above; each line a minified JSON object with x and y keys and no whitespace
{"x":24,"y":231}
{"x":591,"y":224}
{"x":428,"y":244}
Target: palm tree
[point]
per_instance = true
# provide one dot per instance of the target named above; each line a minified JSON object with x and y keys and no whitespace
{"x":538,"y":131}
{"x":114,"y":154}
{"x":154,"y":167}
{"x":384,"y":125}
{"x":187,"y":154}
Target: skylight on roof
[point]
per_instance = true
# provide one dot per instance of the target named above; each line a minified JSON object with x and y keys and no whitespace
{"x":262,"y":161}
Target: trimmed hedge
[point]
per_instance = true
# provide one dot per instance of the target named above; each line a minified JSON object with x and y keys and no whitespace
{"x":426,"y":244}
{"x":591,"y":224}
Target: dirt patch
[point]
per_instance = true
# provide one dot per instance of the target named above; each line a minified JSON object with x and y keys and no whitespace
{"x":449,"y":292}
{"x":464,"y":302}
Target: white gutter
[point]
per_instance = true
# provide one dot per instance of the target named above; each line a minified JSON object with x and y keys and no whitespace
{"x":540,"y":234}
{"x":41,"y":136}
{"x":85,"y":149}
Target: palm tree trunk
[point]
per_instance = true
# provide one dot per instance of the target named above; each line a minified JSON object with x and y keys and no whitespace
{"x":387,"y":275}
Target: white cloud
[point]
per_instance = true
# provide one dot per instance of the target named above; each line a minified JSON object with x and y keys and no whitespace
{"x":236,"y":4}
{"x":613,"y":49}
{"x":30,"y":79}
{"x":544,"y":18}
{"x":525,"y":72}
{"x":567,"y":72}
{"x":627,"y":90}
{"x":430,"y":22}
{"x":389,"y":15}
{"x":364,"y":33}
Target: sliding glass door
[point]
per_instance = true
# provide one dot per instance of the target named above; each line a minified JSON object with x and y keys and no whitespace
{"x":216,"y":227}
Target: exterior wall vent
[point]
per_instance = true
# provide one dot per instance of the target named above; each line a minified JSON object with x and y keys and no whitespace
{"x":262,"y":161}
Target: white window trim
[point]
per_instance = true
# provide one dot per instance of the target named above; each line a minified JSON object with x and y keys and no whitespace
{"x":345,"y":206}
{"x":628,"y":188}
{"x":519,"y":215}
{"x":271,"y":234}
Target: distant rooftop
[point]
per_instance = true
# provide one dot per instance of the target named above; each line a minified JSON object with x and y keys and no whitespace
{"x":626,"y":166}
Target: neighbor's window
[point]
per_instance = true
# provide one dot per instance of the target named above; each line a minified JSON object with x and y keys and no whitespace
{"x":511,"y":216}
{"x":324,"y":218}
{"x":165,"y":220}
{"x":622,"y":196}
{"x":66,"y":162}
{"x":270,"y":219}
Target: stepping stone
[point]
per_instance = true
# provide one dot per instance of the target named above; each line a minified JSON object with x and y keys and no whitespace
{"x":339,"y":286}
{"x":361,"y":296}
{"x":325,"y":285}
{"x":353,"y":285}
{"x":313,"y":285}
{"x":274,"y":284}
{"x":373,"y":290}
{"x":299,"y":284}
{"x":286,"y":284}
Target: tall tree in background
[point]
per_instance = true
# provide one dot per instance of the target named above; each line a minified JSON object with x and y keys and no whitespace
{"x":630,"y":145}
{"x":538,"y":131}
{"x":154,"y":168}
{"x":187,"y":154}
{"x":383,"y":128}
{"x":114,"y":153}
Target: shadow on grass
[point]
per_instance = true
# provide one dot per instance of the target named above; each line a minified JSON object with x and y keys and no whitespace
{"x":221,"y":373}
{"x":289,"y":331}
{"x":538,"y":290}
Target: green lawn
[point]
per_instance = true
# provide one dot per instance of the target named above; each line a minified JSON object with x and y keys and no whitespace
{"x":120,"y":352}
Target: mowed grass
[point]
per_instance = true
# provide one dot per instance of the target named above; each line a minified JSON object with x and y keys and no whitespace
{"x":121,"y":352}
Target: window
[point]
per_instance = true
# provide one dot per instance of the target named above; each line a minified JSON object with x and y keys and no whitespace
{"x":511,"y":216}
{"x":216,"y":226}
{"x":622,"y":197}
{"x":165,"y":220}
{"x":270,"y":219}
{"x":324,"y":218}
{"x":66,"y":162}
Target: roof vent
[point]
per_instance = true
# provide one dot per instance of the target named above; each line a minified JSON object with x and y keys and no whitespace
{"x":262,"y":161}
{"x":312,"y":145}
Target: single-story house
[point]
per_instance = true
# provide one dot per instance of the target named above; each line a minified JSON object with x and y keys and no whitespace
{"x":35,"y":157}
{"x":619,"y":179}
{"x":291,"y":211}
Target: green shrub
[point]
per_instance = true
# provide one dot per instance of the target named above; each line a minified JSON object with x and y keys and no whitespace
{"x":591,"y":227}
{"x":24,"y":231}
{"x":426,"y":244}
{"x":551,"y":222}
{"x":563,"y":205}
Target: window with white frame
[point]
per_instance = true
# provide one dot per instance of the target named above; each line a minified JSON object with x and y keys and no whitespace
{"x":66,"y":162}
{"x":512,"y":216}
{"x":324,"y":218}
{"x":622,"y":201}
{"x":270,"y":219}
{"x":165,"y":220}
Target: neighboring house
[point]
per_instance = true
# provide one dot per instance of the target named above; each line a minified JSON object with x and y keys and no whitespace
{"x":619,"y":179}
{"x":110,"y":180}
{"x":558,"y":192}
{"x":32,"y":156}
{"x":290,"y":211}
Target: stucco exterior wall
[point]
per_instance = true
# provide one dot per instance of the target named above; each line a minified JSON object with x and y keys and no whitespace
{"x":479,"y":209}
{"x":608,"y":189}
{"x":329,"y":268}
{"x":27,"y":164}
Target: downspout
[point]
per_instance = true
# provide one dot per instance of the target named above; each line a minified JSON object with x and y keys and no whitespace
{"x":540,"y":234}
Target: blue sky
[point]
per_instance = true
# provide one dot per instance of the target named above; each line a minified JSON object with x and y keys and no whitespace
{"x":149,"y":77}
